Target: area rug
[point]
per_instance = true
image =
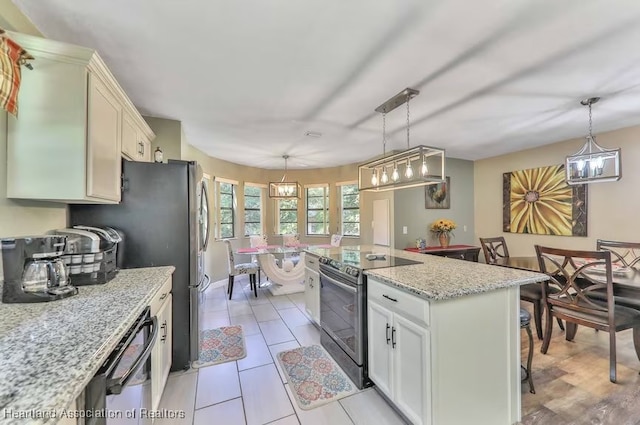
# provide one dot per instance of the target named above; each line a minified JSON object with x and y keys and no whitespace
{"x":220,"y":345}
{"x":129,"y":356}
{"x":314,"y":376}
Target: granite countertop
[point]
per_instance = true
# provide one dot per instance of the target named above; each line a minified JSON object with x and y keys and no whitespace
{"x":50,"y":351}
{"x":440,"y":278}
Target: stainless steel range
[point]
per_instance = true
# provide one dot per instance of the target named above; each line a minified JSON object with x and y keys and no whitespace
{"x":343,"y":308}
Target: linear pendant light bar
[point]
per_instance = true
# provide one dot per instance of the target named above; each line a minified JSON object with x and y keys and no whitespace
{"x":416,"y":166}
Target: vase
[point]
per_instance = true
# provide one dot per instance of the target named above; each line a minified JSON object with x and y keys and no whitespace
{"x":444,"y":240}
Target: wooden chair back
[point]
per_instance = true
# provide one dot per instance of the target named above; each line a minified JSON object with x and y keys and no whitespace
{"x":494,"y":248}
{"x":625,"y":253}
{"x":583,"y":284}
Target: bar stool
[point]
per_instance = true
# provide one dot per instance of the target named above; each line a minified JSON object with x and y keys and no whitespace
{"x":525,"y":322}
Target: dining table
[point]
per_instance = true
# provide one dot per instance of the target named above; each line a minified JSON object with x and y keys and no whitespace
{"x":283,"y":266}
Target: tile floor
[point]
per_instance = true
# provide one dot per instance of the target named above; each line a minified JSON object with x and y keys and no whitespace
{"x":254,"y":390}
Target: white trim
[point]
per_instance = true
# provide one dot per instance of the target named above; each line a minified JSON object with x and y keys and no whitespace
{"x":311,"y":186}
{"x":224,"y":180}
{"x":207,"y":176}
{"x":347,"y":183}
{"x":260,"y":185}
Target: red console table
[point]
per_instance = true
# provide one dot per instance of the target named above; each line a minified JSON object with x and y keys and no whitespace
{"x":461,"y":252}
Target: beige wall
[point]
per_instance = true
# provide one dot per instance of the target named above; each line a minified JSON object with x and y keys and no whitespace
{"x":612,"y":207}
{"x":18,"y":217}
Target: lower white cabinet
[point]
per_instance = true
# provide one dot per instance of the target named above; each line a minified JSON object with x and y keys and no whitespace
{"x":399,"y":361}
{"x":451,"y":361}
{"x":312,"y":294}
{"x":312,"y":287}
{"x":161,"y":352}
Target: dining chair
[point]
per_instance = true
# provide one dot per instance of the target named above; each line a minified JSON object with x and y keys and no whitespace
{"x":576,"y":276}
{"x":626,"y":254}
{"x":496,"y":248}
{"x":237,"y":269}
{"x":525,"y":323}
{"x":336,"y":240}
{"x":257,"y":241}
{"x":291,"y":240}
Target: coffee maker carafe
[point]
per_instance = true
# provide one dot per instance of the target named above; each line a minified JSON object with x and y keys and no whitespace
{"x":33,"y":269}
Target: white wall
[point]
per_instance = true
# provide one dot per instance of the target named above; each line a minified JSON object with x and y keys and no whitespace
{"x":612,"y":207}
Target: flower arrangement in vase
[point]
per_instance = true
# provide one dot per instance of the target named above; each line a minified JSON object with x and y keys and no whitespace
{"x":444,"y":229}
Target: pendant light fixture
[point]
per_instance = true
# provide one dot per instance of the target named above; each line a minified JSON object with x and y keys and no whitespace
{"x":284,"y":189}
{"x":417,"y":161}
{"x":593,"y":163}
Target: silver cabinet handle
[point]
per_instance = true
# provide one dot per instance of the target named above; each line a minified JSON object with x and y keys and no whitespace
{"x":163,"y":296}
{"x":393,"y":337}
{"x":387,"y":334}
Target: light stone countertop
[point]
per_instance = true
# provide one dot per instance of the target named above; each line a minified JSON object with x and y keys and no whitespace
{"x":50,"y":351}
{"x":439,"y":278}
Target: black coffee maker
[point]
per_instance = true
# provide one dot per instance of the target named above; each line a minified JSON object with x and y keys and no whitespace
{"x":33,"y":269}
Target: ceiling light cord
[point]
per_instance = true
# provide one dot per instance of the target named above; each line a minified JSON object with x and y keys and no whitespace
{"x":408,"y":121}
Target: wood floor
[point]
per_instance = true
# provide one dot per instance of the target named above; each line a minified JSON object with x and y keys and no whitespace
{"x":572,"y":381}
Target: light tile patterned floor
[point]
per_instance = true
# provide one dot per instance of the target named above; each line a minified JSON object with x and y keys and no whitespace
{"x":253,"y":390}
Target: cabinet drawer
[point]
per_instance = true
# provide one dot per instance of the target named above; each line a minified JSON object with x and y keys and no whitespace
{"x":398,"y":301}
{"x":160,"y":297}
{"x":311,"y":261}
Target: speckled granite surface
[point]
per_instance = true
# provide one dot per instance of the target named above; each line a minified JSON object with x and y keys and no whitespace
{"x":439,"y":278}
{"x":50,"y":351}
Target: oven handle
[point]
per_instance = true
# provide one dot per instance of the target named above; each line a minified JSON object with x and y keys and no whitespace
{"x":115,"y":386}
{"x":344,"y":286}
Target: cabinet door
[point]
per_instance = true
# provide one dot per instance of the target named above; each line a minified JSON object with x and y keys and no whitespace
{"x":313,"y":300}
{"x":129,"y":138}
{"x":146,"y":150}
{"x":310,"y":282}
{"x":103,"y":142}
{"x":379,"y":322}
{"x":160,"y":360}
{"x":411,"y":370}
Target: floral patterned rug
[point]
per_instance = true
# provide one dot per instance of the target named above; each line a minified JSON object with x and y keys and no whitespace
{"x":314,"y":376}
{"x":220,"y":345}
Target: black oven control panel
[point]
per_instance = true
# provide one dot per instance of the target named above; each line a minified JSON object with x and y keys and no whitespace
{"x":337,"y":265}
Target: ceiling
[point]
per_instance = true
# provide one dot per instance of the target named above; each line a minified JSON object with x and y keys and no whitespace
{"x":249,"y":78}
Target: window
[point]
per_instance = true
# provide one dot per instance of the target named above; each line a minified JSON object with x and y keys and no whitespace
{"x":317,"y":210}
{"x":252,"y":210}
{"x":350,"y":209}
{"x":287,"y":216}
{"x":227,"y":195}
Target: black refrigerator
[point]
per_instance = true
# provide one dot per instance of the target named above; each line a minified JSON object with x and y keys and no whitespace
{"x":164,"y":217}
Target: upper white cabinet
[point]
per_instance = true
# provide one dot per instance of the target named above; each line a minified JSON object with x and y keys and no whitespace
{"x":67,"y":142}
{"x":136,"y":146}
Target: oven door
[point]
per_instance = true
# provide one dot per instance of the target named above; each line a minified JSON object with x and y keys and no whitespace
{"x":341,"y":304}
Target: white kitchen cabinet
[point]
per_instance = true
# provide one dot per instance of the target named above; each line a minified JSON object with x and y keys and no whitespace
{"x":398,"y":361}
{"x":312,"y":288}
{"x":66,"y":143}
{"x":447,"y":361}
{"x":135,"y":144}
{"x":161,"y":307}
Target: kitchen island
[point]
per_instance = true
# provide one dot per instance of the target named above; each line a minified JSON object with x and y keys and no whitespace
{"x":444,"y":337}
{"x":50,"y":351}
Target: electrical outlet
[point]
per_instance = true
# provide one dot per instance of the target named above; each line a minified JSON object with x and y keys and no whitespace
{"x":404,"y":230}
{"x":464,"y":228}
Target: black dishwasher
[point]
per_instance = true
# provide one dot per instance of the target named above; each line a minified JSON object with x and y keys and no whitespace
{"x":92,"y":402}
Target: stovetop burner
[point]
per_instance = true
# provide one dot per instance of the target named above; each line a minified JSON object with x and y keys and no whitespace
{"x":353,"y":262}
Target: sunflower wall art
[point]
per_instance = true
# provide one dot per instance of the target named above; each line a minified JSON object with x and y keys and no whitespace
{"x":539,"y":201}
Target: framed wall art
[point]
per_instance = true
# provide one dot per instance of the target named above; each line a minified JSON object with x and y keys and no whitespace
{"x":539,"y":201}
{"x":438,"y":196}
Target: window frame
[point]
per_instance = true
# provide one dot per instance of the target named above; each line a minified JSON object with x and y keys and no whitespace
{"x":260,"y":209}
{"x":220,"y":208}
{"x":342,"y":208}
{"x":326,"y":209}
{"x":278,"y":209}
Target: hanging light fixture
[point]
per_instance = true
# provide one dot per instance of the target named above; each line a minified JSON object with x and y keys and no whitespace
{"x":593,"y":163}
{"x":284,"y":189}
{"x":416,"y":171}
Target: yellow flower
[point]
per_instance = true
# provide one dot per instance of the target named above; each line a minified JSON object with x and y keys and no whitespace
{"x":541,"y":201}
